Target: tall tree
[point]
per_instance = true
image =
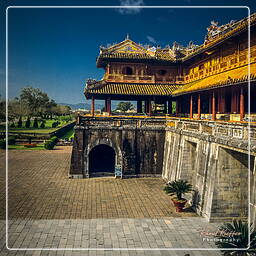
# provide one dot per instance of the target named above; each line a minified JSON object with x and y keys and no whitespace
{"x":124,"y":106}
{"x":35,"y":99}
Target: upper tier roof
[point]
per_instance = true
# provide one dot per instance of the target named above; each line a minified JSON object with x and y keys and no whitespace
{"x":131,"y":51}
{"x":230,"y":77}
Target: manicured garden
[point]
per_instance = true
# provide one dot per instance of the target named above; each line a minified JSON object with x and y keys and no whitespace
{"x":37,"y":125}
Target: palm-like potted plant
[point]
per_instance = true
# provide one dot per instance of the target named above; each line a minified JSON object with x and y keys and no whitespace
{"x":240,"y":232}
{"x":178,"y":188}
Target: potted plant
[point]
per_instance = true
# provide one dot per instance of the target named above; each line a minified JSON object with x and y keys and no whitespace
{"x":178,"y":188}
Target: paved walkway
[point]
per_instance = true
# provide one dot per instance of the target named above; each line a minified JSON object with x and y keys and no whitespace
{"x":48,"y":210}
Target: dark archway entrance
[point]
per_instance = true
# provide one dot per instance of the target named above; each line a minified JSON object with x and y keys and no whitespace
{"x":102,"y":161}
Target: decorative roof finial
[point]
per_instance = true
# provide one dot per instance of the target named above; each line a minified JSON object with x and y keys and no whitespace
{"x":127,"y":37}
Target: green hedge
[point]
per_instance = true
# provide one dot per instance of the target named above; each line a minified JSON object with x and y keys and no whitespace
{"x":11,"y":140}
{"x":49,"y":144}
{"x":2,"y":144}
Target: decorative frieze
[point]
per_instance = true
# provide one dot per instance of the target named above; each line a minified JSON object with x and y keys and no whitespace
{"x":191,"y":127}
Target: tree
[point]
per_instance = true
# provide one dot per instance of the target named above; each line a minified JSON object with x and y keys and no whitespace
{"x":50,"y":108}
{"x":2,"y":109}
{"x":20,"y":122}
{"x":35,"y":125}
{"x":125,"y":106}
{"x":27,"y":125}
{"x":35,"y":99}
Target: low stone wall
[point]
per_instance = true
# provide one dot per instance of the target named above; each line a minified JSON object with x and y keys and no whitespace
{"x":213,"y":156}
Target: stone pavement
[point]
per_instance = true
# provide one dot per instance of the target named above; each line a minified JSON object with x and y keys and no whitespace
{"x":153,"y":234}
{"x":48,"y":210}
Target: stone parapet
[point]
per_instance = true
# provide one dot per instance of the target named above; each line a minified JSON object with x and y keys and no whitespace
{"x":233,"y":134}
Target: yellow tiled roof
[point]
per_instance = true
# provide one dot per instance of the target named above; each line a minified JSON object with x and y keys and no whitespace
{"x":222,"y":79}
{"x":132,"y":89}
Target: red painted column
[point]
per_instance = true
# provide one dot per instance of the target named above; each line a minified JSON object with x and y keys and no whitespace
{"x":219,"y":102}
{"x":213,"y":107}
{"x":191,"y":106}
{"x":106,"y":105}
{"x":210,"y":104}
{"x":242,"y":112}
{"x":177,"y":107}
{"x":92,"y":106}
{"x":149,"y":108}
{"x":170,"y":107}
{"x":234,"y":101}
{"x":199,"y":106}
{"x":222,"y":104}
{"x":109,"y":106}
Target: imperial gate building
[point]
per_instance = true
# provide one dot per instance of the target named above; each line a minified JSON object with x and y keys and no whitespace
{"x":192,"y":119}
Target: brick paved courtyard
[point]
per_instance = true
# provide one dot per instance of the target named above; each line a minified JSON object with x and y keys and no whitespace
{"x":48,"y":210}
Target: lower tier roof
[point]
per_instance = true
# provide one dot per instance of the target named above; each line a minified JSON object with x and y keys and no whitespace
{"x":131,"y":89}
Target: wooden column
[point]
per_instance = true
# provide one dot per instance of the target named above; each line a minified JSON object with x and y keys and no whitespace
{"x":191,"y":107}
{"x":199,"y":106}
{"x":149,"y":108}
{"x":93,"y":106}
{"x":145,"y":106}
{"x":177,"y":107}
{"x":106,"y":106}
{"x":234,"y":101}
{"x":165,"y":108}
{"x":109,"y":106}
{"x":213,"y":106}
{"x":139,"y":106}
{"x":242,"y":112}
{"x":221,"y":102}
{"x":210,"y":104}
{"x":170,"y":106}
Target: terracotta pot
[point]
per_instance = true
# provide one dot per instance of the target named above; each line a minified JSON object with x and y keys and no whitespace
{"x":179,"y":205}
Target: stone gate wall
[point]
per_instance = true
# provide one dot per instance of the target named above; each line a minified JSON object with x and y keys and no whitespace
{"x":214,"y":158}
{"x":139,"y":145}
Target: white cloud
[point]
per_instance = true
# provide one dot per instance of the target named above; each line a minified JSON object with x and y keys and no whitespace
{"x":151,"y":39}
{"x":129,"y":9}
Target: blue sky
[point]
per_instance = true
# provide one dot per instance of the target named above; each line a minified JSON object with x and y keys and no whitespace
{"x":55,"y":49}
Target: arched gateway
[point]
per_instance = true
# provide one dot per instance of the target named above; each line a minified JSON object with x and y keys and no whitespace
{"x":102,"y":161}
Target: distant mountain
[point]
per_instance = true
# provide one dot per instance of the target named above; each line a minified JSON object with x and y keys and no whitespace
{"x":88,"y":105}
{"x":82,"y":105}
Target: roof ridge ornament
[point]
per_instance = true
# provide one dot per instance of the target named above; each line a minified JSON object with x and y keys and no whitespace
{"x":127,"y":37}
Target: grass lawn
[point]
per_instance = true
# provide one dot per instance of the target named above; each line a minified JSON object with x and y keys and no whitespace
{"x":19,"y":146}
